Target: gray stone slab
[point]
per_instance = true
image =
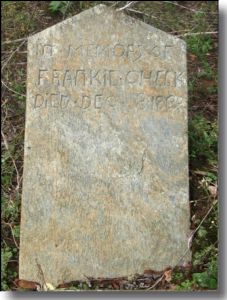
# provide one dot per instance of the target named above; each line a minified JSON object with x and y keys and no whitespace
{"x":105,"y":184}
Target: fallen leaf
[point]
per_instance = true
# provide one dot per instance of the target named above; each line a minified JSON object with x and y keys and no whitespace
{"x":151,"y":272}
{"x":190,"y":239}
{"x":173,"y":287}
{"x":213,"y":190}
{"x":148,"y":272}
{"x":27,"y":285}
{"x":187,"y":265}
{"x":168,"y":275}
{"x":116,"y":285}
{"x":48,"y":287}
{"x":192,"y":57}
{"x":68,"y":284}
{"x":63,"y":285}
{"x":132,"y":277}
{"x":200,"y":172}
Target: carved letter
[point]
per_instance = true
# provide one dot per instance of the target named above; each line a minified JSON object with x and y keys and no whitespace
{"x":98,"y":101}
{"x":72,"y":51}
{"x":93,"y":76}
{"x":80,"y":77}
{"x":179,"y":80}
{"x":160,"y":103}
{"x":166,"y":51}
{"x":160,"y":78}
{"x":103,"y":50}
{"x":42,"y":76}
{"x":118,"y":50}
{"x":39,"y":101}
{"x":170,"y":78}
{"x":56,"y":77}
{"x":134,"y":51}
{"x":64,"y":101}
{"x":133,"y":77}
{"x":54,"y":100}
{"x":85,"y":102}
{"x":114,"y":78}
{"x":68,"y":79}
{"x":91,"y":50}
{"x":149,"y":76}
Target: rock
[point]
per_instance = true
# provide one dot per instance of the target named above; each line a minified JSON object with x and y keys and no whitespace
{"x":105,"y":184}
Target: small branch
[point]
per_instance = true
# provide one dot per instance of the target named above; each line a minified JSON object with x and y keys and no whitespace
{"x":127,"y":5}
{"x":11,"y":90}
{"x":21,"y":63}
{"x":201,"y":199}
{"x":11,"y":228}
{"x":156,"y":283}
{"x":204,"y":218}
{"x":199,"y":33}
{"x":41,"y":274}
{"x":4,"y":65}
{"x":9,"y":52}
{"x":185,"y":7}
{"x":140,"y":12}
{"x":142,"y":161}
{"x":66,"y":8}
{"x":15,"y":41}
{"x":137,"y":12}
{"x":194,"y":232}
{"x":112,"y":3}
{"x":13,"y":161}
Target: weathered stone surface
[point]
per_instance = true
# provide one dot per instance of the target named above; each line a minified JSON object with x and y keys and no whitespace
{"x":105,"y":187}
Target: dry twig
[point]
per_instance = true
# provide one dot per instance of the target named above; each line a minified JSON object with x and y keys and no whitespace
{"x":44,"y":284}
{"x":7,"y":61}
{"x":194,"y":231}
{"x":198,"y":33}
{"x":127,"y":5}
{"x":185,"y":7}
{"x":11,"y":90}
{"x":156,"y":282}
{"x":15,"y":41}
{"x":11,"y":228}
{"x":13,"y":161}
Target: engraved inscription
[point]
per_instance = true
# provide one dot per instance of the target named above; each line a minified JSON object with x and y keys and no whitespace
{"x":170,"y":104}
{"x":109,"y":78}
{"x":132,"y":52}
{"x":51,"y":100}
{"x":44,"y":49}
{"x":72,"y":79}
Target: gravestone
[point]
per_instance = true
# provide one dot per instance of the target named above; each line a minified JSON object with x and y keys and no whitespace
{"x":105,"y":184}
